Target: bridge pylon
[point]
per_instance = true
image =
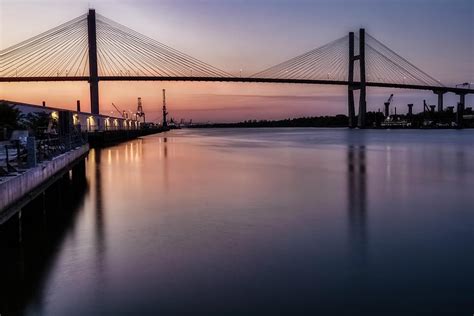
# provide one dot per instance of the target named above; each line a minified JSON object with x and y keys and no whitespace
{"x":93,"y":73}
{"x":440,"y":93}
{"x":361,"y":85}
{"x":350,"y":85}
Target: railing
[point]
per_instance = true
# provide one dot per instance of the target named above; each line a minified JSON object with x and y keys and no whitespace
{"x":49,"y":148}
{"x":12,"y":158}
{"x":16,"y":157}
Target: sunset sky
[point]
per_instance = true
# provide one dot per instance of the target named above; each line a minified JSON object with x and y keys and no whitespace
{"x":435,"y":35}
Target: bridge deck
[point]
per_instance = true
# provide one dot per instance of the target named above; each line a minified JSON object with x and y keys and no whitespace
{"x":241,"y":79}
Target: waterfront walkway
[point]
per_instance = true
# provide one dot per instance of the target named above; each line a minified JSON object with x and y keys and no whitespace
{"x":17,"y":190}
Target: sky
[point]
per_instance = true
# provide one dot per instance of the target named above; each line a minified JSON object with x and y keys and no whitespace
{"x":435,"y":35}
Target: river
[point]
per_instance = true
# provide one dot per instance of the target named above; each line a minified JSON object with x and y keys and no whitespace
{"x":262,"y":221}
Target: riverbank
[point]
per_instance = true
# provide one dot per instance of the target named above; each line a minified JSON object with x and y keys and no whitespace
{"x":374,"y":120}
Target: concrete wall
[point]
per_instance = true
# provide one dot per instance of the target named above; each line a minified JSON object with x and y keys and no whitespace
{"x":15,"y":188}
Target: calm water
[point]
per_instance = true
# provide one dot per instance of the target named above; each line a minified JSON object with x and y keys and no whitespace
{"x":258,"y":221}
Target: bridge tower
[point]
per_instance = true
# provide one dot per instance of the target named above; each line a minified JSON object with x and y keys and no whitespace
{"x":361,"y":85}
{"x":93,"y":73}
{"x":350,"y":86}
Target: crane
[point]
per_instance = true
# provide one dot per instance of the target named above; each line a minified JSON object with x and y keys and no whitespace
{"x":387,"y":105}
{"x":120,"y":112}
{"x":165,"y":113}
{"x":140,"y":112}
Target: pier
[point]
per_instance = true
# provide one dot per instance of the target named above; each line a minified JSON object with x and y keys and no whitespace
{"x":29,"y":165}
{"x":16,"y":191}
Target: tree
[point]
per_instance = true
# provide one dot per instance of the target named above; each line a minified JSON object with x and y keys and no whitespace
{"x":10,"y":117}
{"x":38,"y":122}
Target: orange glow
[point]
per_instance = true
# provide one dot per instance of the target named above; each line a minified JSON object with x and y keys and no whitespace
{"x":200,"y":101}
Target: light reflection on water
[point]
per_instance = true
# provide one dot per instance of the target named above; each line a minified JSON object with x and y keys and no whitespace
{"x":257,"y":221}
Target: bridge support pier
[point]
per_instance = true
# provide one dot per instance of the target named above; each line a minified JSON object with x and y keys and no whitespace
{"x":93,"y":73}
{"x":361,"y":85}
{"x":352,"y":117}
{"x":460,"y":110}
{"x":440,"y":100}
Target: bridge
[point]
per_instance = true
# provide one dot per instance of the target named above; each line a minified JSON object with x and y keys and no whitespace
{"x":94,"y":48}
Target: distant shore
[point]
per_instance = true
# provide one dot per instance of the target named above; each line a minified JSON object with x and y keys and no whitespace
{"x":377,"y":120}
{"x":321,"y":121}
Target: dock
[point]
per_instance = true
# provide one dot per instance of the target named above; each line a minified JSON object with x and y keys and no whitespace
{"x":18,"y":190}
{"x":31,"y":162}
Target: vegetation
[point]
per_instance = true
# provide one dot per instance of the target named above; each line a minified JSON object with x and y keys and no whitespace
{"x":339,"y":120}
{"x":373,"y":120}
{"x":37,"y":122}
{"x":10,"y":117}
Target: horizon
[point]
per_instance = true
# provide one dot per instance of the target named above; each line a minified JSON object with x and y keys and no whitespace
{"x":444,"y":51}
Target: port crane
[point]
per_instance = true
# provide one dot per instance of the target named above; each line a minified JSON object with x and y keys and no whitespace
{"x":428,"y":108}
{"x":165,"y":113}
{"x":140,"y":112}
{"x":122,"y":113}
{"x":387,"y":105}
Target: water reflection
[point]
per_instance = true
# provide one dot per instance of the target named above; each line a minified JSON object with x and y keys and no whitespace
{"x":25,"y":265}
{"x":178,"y":224}
{"x":165,"y":147}
{"x":95,"y":161}
{"x":357,"y":196}
{"x":163,"y":143}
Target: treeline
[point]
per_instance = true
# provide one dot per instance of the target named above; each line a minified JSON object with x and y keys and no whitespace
{"x":339,"y":120}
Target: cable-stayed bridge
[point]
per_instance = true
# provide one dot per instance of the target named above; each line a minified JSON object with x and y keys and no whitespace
{"x":94,"y":48}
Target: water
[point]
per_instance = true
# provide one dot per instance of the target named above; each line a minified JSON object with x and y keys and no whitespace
{"x":259,"y":221}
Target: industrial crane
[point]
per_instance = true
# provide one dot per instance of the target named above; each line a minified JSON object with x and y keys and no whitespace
{"x":387,"y":105}
{"x":165,"y":113}
{"x":120,"y":112}
{"x":140,"y":112}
